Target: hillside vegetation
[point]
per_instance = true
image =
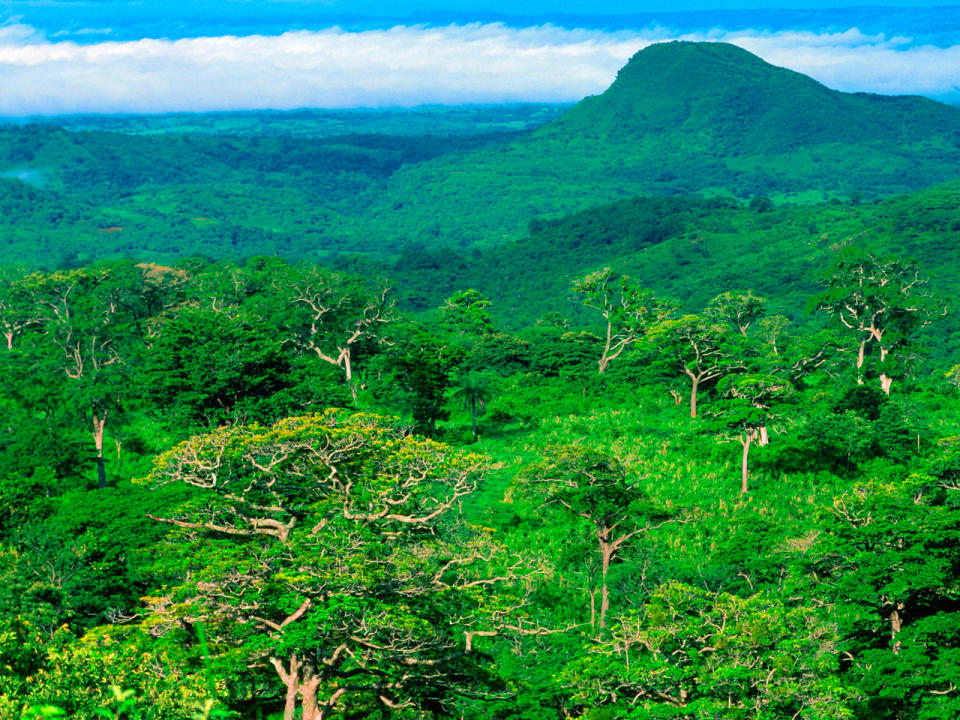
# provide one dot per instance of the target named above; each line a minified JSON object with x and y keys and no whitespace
{"x":681,"y":118}
{"x":300,"y":426}
{"x":704,"y":118}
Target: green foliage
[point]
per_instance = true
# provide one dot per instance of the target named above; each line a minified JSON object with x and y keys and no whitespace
{"x":597,"y":561}
{"x":690,"y":653}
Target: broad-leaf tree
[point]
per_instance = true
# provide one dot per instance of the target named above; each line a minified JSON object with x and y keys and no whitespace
{"x":694,"y":345}
{"x":691,"y":653}
{"x":330,"y":315}
{"x":329,"y":549}
{"x":596,"y":488}
{"x":88,"y":324}
{"x":628,"y":309}
{"x":739,"y":308}
{"x":750,"y":404}
{"x":881,"y":302}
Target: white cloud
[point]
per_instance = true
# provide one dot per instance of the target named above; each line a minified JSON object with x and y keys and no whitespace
{"x":409,"y":66}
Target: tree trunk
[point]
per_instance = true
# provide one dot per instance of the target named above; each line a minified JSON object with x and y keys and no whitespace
{"x":347,"y":365}
{"x":896,"y":624}
{"x":860,"y":353}
{"x":694,"y":382}
{"x":308,"y":691}
{"x":98,"y":424}
{"x":764,"y":438}
{"x":291,"y":679}
{"x":745,"y":440}
{"x":885,"y":383}
{"x":473,"y":416}
{"x":885,"y":380}
{"x":606,"y":552}
{"x":604,"y":359}
{"x":300,"y":681}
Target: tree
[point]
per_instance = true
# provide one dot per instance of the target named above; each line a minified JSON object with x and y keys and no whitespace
{"x":89,"y":321}
{"x":331,"y":315}
{"x":628,"y":310}
{"x":329,"y":548}
{"x":473,"y":391}
{"x":15,"y":307}
{"x":889,"y":562}
{"x":882,"y":302}
{"x":741,"y":309}
{"x":467,"y":313}
{"x":749,"y":407}
{"x":594,"y":486}
{"x":414,"y":374}
{"x":691,"y":653}
{"x":694,"y":345}
{"x":206,"y":368}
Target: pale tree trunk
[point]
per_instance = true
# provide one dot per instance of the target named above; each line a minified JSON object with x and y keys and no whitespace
{"x":99,"y":421}
{"x":885,"y":381}
{"x":605,"y":357}
{"x":344,"y":362}
{"x":347,"y":366}
{"x":860,"y":356}
{"x":308,"y":691}
{"x":300,"y":681}
{"x":606,"y":552}
{"x":896,"y":625}
{"x":746,"y":439}
{"x":602,"y":363}
{"x":694,"y":382}
{"x":764,"y":438}
{"x":291,"y":679}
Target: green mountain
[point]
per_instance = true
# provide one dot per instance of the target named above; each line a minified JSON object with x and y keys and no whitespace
{"x":720,"y":100}
{"x":704,"y":119}
{"x":681,"y":117}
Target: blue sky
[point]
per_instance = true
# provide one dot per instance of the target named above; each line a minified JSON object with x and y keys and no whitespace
{"x":74,"y":56}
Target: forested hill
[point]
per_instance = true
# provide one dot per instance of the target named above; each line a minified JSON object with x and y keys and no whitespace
{"x":682,"y":118}
{"x":685,"y":248}
{"x":719,"y":99}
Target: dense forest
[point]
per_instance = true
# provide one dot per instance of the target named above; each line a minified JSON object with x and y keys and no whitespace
{"x":662,"y":452}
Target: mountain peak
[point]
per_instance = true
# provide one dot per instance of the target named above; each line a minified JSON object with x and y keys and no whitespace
{"x":723,"y":98}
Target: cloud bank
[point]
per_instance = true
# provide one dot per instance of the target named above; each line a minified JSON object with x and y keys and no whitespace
{"x":405,"y":66}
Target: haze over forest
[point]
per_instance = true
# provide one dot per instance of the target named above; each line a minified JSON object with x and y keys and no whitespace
{"x":361,"y":362}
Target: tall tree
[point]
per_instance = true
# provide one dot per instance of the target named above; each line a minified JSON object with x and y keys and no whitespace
{"x":331,"y":315}
{"x":751,"y":403}
{"x":467,"y":312}
{"x":692,"y":653}
{"x":628,"y":309}
{"x":473,"y":390}
{"x":695,"y":346}
{"x":88,"y":322}
{"x":881,"y":302}
{"x":329,"y":548}
{"x":594,"y":486}
{"x":739,"y":308}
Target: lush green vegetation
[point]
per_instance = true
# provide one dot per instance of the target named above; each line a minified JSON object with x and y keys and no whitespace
{"x":716,"y":122}
{"x":683,"y":457}
{"x":736,"y":518}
